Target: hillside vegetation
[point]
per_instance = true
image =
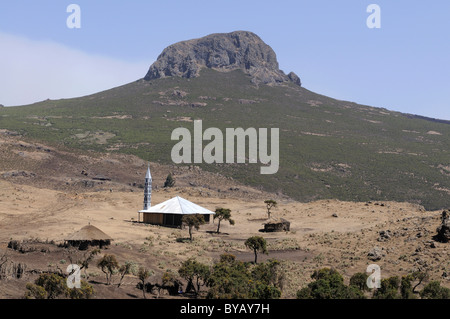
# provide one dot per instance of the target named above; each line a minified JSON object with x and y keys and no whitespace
{"x":328,"y":148}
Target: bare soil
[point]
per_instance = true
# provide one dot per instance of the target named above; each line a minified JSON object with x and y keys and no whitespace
{"x":46,"y":194}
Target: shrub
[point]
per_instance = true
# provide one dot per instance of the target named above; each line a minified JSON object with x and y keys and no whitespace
{"x":195,"y":273}
{"x":359,"y":280}
{"x":52,"y":286}
{"x":233,"y":279}
{"x":86,"y":291}
{"x":170,"y":182}
{"x":434,"y":291}
{"x":109,"y":265}
{"x":328,"y":284}
{"x":389,"y":289}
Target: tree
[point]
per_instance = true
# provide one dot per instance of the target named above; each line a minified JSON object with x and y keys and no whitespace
{"x":223,"y":214}
{"x":109,"y":265}
{"x":195,"y":273}
{"x":84,"y":260}
{"x":51,"y":286}
{"x":389,"y":289}
{"x":170,"y":283}
{"x":170,"y":182}
{"x":329,"y":284}
{"x":193,"y":221}
{"x":359,"y":280}
{"x":270,"y":203}
{"x":420,"y":276}
{"x":269,"y":273}
{"x":233,"y":279}
{"x":257,"y":244}
{"x":143,"y":275}
{"x":407,"y":289}
{"x":228,"y":279}
{"x":125,"y":269}
{"x":35,"y":291}
{"x":434,"y":291}
{"x":84,"y":292}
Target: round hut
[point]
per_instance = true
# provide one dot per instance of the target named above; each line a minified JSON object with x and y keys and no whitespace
{"x":88,"y":236}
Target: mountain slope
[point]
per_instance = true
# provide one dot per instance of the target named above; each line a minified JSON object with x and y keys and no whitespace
{"x":328,"y":148}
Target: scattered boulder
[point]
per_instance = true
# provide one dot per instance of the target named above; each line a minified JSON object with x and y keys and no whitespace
{"x":334,"y":215}
{"x":88,"y":183}
{"x":18,"y":174}
{"x":198,"y":104}
{"x":376,"y":253}
{"x":443,"y":231}
{"x":294,"y":78}
{"x":179,"y":93}
{"x":245,"y":101}
{"x":384,"y":235}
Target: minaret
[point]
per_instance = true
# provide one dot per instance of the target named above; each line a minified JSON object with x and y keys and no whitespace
{"x":148,"y":190}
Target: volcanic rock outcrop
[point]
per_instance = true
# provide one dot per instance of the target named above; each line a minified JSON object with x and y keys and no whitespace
{"x":222,"y":52}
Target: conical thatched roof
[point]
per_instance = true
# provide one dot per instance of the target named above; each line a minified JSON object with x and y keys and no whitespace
{"x":88,"y":233}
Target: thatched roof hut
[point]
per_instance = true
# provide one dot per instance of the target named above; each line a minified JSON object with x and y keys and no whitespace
{"x":88,"y":236}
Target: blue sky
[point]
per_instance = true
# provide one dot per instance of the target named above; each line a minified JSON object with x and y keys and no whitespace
{"x":403,"y":66}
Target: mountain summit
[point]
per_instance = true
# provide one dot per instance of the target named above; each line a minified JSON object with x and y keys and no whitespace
{"x":222,"y":52}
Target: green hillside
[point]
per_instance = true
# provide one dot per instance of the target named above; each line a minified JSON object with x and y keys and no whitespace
{"x":328,"y":148}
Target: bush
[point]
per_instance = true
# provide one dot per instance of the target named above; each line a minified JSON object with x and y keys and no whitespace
{"x":389,"y":289}
{"x":359,"y":280}
{"x":329,"y":284}
{"x":109,"y":265}
{"x":35,"y":291}
{"x":52,"y":286}
{"x":434,"y":291}
{"x":195,"y":273}
{"x":86,"y":291}
{"x":233,"y":279}
{"x":170,"y":182}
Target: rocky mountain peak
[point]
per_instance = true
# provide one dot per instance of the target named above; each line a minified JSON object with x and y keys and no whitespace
{"x":222,"y":52}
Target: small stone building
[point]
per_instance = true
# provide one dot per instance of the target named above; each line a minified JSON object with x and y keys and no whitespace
{"x":277,"y":225}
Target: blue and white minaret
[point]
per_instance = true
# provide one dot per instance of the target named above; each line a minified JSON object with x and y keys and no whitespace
{"x":148,"y":190}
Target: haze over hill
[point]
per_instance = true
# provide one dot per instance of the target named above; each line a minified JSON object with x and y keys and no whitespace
{"x":328,"y":148}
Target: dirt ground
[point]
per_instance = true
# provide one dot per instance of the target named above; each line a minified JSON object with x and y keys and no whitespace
{"x":316,"y":238}
{"x":326,"y":233}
